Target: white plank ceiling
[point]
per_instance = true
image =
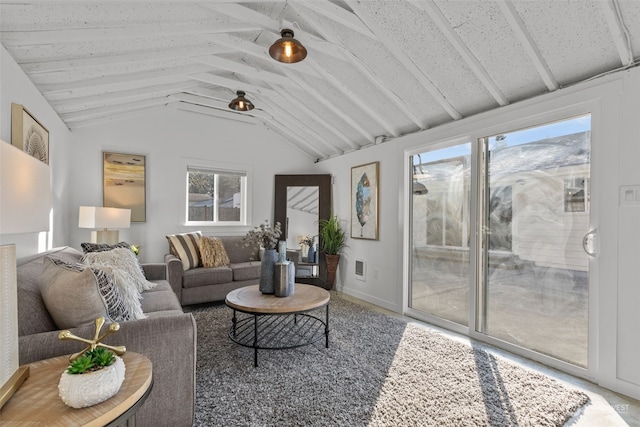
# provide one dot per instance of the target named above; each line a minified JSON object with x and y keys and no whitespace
{"x":375,"y":70}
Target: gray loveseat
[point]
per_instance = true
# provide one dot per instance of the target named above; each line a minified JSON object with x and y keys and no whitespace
{"x":167,"y":337}
{"x":200,"y":285}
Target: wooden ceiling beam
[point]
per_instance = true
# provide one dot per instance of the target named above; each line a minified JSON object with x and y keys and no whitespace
{"x":291,"y":123}
{"x":528,"y":44}
{"x":70,"y":64}
{"x":396,"y":50}
{"x":126,"y":81}
{"x":611,"y":11}
{"x":240,"y":68}
{"x":125,"y":115}
{"x":358,"y":64}
{"x":459,"y":45}
{"x":84,"y":35}
{"x":69,"y":105}
{"x":92,"y":113}
{"x":342,"y":16}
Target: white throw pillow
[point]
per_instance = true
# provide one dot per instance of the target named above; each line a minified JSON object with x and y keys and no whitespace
{"x":123,"y":267}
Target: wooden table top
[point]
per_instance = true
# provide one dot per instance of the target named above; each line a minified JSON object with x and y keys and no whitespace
{"x":305,"y":297}
{"x":37,"y":402}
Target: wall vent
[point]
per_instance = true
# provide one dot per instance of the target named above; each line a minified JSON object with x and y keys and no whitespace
{"x":361,"y":269}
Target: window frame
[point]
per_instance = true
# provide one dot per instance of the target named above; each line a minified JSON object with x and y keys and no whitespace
{"x":194,"y":165}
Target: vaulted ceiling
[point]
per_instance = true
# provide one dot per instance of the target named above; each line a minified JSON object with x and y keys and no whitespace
{"x":375,"y":70}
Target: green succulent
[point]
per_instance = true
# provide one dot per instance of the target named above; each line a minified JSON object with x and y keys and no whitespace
{"x":91,"y":360}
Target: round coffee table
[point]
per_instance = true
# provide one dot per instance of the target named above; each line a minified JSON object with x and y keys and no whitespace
{"x":277,"y":323}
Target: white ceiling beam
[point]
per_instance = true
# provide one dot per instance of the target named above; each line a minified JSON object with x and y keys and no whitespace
{"x":228,"y":115}
{"x":106,"y":119}
{"x":69,"y":105}
{"x":301,"y":106}
{"x":240,"y":68}
{"x":213,"y":103}
{"x":342,"y":16}
{"x":528,"y":44}
{"x":38,"y":67}
{"x":218,"y":93}
{"x":396,"y":50}
{"x":233,"y":84}
{"x":619,"y":33}
{"x":93,"y":113}
{"x":459,"y":45}
{"x":355,"y":100}
{"x":78,"y":35}
{"x":294,"y":140}
{"x":358,"y":64}
{"x":293,"y":124}
{"x":313,"y":93}
{"x":126,"y":81}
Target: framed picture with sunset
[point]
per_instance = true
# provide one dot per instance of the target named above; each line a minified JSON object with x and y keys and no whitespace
{"x":124,"y":183}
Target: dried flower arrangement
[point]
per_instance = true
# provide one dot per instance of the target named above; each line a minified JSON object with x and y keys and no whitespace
{"x":264,"y":235}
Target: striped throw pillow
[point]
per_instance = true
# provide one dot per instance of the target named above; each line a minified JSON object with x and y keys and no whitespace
{"x":185,"y":247}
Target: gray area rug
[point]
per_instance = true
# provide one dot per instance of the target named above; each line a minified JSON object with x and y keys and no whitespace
{"x":378,"y":371}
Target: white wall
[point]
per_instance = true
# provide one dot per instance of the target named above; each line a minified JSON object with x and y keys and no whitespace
{"x":615,"y":294}
{"x":170,"y":139}
{"x":15,"y":87}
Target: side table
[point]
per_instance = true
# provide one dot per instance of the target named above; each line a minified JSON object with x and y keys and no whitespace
{"x":37,"y":402}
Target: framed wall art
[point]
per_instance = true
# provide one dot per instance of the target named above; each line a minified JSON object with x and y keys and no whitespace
{"x":28,"y":134}
{"x":124,"y":183}
{"x":364,"y":201}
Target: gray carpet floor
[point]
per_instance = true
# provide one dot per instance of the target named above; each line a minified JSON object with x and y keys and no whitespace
{"x":379,"y":370}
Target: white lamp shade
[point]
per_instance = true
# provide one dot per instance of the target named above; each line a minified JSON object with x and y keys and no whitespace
{"x":25,"y":192}
{"x":104,"y":218}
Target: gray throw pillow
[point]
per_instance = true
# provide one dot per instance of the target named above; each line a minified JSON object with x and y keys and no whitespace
{"x":77,"y":295}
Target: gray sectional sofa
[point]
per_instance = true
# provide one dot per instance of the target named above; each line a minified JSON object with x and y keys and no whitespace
{"x":167,"y":337}
{"x":200,"y":284}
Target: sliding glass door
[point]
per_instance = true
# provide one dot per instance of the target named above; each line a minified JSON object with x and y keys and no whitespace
{"x":525,"y":279}
{"x":440,"y":233}
{"x":535,"y":214}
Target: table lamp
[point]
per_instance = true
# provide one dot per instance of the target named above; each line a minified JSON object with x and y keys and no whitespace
{"x":105,"y":219}
{"x":25,"y":207}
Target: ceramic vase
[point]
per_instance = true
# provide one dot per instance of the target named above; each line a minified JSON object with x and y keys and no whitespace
{"x":312,"y":254}
{"x":268,"y":271}
{"x":82,"y":390}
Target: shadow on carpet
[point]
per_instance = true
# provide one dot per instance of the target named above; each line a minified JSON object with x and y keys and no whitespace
{"x":379,"y":370}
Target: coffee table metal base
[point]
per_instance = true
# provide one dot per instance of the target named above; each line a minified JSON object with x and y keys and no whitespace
{"x":278,"y":331}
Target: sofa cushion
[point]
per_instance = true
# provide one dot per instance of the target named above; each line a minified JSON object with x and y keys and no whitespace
{"x":212,"y":252}
{"x":76,"y":294}
{"x":185,"y":247}
{"x":239,"y":250}
{"x":246,"y":270}
{"x":206,"y":276}
{"x":160,"y":298}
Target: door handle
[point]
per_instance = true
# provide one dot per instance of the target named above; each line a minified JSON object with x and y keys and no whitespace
{"x":588,"y":242}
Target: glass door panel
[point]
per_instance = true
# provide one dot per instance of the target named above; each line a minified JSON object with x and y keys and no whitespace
{"x":536,"y":212}
{"x":439,"y":283}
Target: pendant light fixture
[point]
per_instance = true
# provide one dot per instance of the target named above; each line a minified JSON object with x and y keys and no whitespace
{"x":240,"y":103}
{"x":287,"y":49}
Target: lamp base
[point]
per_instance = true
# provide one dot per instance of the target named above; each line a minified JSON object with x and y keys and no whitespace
{"x":110,"y":237}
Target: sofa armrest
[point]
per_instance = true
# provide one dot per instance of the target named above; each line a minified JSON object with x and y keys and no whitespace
{"x":174,"y":274}
{"x":168,"y":341}
{"x":155,"y":271}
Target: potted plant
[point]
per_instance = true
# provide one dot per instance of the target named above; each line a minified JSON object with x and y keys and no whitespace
{"x":332,"y":241}
{"x":91,"y":378}
{"x":267,"y":237}
{"x":94,"y":374}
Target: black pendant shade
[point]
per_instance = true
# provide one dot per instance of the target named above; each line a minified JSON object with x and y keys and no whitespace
{"x":287,"y":49}
{"x":240,"y":103}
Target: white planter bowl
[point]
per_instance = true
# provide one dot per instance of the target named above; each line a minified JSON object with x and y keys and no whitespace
{"x":82,"y":390}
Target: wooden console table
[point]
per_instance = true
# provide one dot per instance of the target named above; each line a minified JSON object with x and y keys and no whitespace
{"x":37,"y":402}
